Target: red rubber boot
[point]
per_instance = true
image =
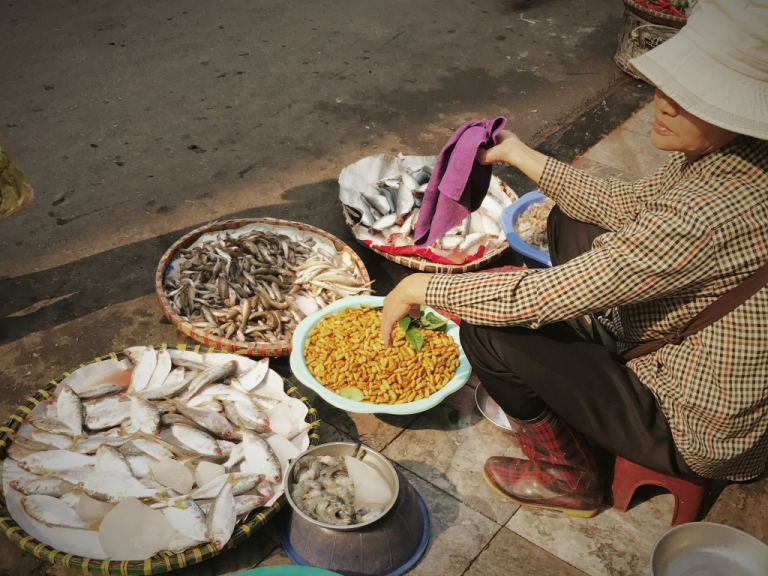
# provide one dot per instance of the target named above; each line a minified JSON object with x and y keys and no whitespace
{"x":560,"y":473}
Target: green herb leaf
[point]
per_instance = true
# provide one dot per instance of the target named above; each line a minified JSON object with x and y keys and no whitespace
{"x":371,"y":307}
{"x":415,"y":338}
{"x":431,"y":321}
{"x":435,"y":321}
{"x":404,"y":322}
{"x":352,"y":394}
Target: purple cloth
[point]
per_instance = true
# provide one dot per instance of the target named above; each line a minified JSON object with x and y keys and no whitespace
{"x":458,"y":183}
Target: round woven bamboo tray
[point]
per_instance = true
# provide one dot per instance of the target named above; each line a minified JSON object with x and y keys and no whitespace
{"x":225,"y":344}
{"x":424,"y":265}
{"x":163,"y":562}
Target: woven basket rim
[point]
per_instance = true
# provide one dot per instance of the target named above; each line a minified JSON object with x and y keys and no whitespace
{"x":163,"y":561}
{"x":225,"y":344}
{"x":424,"y":264}
{"x":650,"y":15}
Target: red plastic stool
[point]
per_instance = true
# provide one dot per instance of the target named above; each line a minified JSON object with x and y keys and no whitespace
{"x":628,"y":477}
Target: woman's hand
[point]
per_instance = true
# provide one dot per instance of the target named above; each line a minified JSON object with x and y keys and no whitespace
{"x":406,"y":298}
{"x":505,"y":150}
{"x":513,"y":151}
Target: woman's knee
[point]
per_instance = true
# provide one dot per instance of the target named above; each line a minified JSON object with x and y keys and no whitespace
{"x":567,"y":237}
{"x":481,"y":344}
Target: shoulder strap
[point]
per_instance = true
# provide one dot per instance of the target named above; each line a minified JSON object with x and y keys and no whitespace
{"x":720,"y":308}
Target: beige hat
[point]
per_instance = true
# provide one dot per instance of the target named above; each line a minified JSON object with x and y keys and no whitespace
{"x":716,"y":67}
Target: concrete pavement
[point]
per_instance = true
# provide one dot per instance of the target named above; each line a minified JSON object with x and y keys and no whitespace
{"x":136,"y":121}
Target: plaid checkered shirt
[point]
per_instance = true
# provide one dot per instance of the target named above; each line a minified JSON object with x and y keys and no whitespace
{"x":676,"y":241}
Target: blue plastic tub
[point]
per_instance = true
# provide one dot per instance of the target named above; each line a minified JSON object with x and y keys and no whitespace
{"x":287,"y":571}
{"x":532,"y":256}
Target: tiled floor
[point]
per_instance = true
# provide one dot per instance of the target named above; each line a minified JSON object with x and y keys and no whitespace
{"x":441,"y":452}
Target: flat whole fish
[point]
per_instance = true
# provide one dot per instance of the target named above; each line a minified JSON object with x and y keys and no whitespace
{"x":152,"y":448}
{"x":221,"y":519}
{"x":69,"y":409}
{"x":145,"y":361}
{"x":379,"y":202}
{"x":252,"y":417}
{"x":145,"y":416}
{"x":75,"y":476}
{"x":60,"y":441}
{"x":211,"y":421}
{"x":176,"y":381}
{"x":52,"y":460}
{"x":109,"y":413}
{"x":187,"y":517}
{"x":51,"y":511}
{"x":405,"y":202}
{"x":47,"y":486}
{"x":261,"y":458}
{"x":384,"y":222}
{"x":264,"y":402}
{"x":219,"y":392}
{"x":31,"y":444}
{"x":110,"y":461}
{"x":196,"y":440}
{"x":99,"y":390}
{"x":114,"y":488}
{"x":52,"y":425}
{"x":208,"y":376}
{"x":162,"y":369}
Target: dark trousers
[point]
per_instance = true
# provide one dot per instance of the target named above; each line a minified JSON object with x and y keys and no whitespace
{"x":574,"y":373}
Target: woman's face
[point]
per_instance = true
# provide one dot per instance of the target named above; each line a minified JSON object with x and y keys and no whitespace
{"x":676,"y":130}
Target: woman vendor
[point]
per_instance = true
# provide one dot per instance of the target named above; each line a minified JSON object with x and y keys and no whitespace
{"x":643,"y":260}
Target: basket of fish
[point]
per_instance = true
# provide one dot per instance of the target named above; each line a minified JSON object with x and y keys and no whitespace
{"x":150,"y":459}
{"x":244,"y":285}
{"x":381,"y":197}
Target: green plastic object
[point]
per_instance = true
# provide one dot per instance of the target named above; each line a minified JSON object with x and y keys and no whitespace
{"x":287,"y":571}
{"x":300,"y":370}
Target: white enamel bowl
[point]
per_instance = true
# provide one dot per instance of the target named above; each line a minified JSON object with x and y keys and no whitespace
{"x":300,"y":370}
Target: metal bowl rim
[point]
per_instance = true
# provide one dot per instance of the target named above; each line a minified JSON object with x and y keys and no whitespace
{"x":477,"y":403}
{"x":693,"y":526}
{"x":289,"y":474}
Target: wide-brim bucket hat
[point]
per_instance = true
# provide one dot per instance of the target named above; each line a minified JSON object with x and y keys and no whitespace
{"x":716,"y":67}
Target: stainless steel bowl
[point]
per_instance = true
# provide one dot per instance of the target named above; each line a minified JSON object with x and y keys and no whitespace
{"x":708,"y":549}
{"x":345,"y":449}
{"x":491,"y":410}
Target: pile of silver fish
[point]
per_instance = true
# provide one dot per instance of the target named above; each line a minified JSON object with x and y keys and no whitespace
{"x":391,"y":209}
{"x":170,"y":439}
{"x":323,"y":490}
{"x":247,"y":286}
